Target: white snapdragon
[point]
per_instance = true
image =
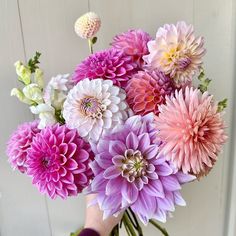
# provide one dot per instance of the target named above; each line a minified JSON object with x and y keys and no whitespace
{"x":57,"y":90}
{"x":33,"y":92}
{"x":46,"y":114}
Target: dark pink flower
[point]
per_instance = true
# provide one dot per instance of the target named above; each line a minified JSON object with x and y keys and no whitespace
{"x":108,"y":64}
{"x":18,"y":144}
{"x":133,"y":43}
{"x":58,"y":162}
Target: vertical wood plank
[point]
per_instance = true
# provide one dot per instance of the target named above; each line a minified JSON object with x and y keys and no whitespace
{"x":22,"y":210}
{"x":214,"y":19}
{"x":48,"y":27}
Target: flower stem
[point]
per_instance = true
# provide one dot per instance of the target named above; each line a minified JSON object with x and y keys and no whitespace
{"x":138,"y":227}
{"x":163,"y":230}
{"x":90,"y":43}
{"x":128,"y":225}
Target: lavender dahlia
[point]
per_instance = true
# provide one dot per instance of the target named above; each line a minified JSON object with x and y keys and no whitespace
{"x":108,"y":64}
{"x":58,"y":162}
{"x":129,"y":174}
{"x":18,"y":144}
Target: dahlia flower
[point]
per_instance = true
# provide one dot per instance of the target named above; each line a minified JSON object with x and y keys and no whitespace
{"x":18,"y":144}
{"x":176,"y":52}
{"x":129,"y":174}
{"x":108,"y":64}
{"x":191,"y":129}
{"x":146,"y":91}
{"x":58,"y":162}
{"x":87,"y":25}
{"x":133,"y":43}
{"x":94,"y":106}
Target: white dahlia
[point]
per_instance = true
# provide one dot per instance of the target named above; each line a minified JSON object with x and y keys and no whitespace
{"x":176,"y":52}
{"x":94,"y":106}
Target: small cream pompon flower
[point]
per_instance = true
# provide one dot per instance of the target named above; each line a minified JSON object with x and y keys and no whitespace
{"x":87,"y":25}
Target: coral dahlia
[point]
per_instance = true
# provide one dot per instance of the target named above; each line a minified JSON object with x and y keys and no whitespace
{"x":176,"y":52}
{"x":191,"y":129}
{"x":94,"y":106}
{"x":18,"y":144}
{"x":109,"y":64}
{"x":133,"y":43}
{"x":58,"y":162}
{"x":129,"y":174}
{"x":146,"y":91}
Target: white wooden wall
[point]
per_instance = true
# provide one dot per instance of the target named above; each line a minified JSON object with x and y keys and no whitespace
{"x":47,"y":26}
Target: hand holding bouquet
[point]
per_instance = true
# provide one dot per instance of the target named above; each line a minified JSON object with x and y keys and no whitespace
{"x":129,"y":125}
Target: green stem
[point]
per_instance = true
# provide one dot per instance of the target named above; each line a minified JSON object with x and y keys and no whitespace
{"x":129,"y":225}
{"x":163,"y":230}
{"x":76,"y":233}
{"x":138,"y":227}
{"x":90,"y":43}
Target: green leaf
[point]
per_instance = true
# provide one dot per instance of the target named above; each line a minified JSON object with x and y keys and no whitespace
{"x":222,"y":105}
{"x":204,"y":82}
{"x":94,"y":40}
{"x":33,"y":62}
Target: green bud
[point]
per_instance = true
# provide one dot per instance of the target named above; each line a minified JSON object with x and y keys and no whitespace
{"x":20,"y":95}
{"x":222,"y":105}
{"x":23,"y":72}
{"x":38,"y":77}
{"x":34,"y":93}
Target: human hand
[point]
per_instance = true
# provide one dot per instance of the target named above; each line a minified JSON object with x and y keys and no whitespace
{"x":94,"y":219}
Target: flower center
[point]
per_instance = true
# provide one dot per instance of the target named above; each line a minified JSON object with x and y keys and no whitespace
{"x":177,"y":56}
{"x":46,"y":162}
{"x":134,"y":165}
{"x":92,"y":107}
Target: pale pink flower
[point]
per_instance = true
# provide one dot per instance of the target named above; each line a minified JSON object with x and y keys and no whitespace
{"x":191,"y":129}
{"x":176,"y":52}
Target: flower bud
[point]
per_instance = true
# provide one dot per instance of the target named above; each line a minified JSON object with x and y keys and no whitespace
{"x":23,"y":72}
{"x":20,"y":95}
{"x":38,"y":77}
{"x":87,"y":25}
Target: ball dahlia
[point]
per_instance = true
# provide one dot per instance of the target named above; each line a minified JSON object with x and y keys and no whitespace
{"x":18,"y":144}
{"x":87,"y":25}
{"x":146,"y":91}
{"x":192,"y":130}
{"x":133,"y":43}
{"x":109,"y":64}
{"x":94,"y":106}
{"x":58,"y":162}
{"x":129,"y":174}
{"x":176,"y":52}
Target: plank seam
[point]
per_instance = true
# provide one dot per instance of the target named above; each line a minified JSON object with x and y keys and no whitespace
{"x":230,"y":213}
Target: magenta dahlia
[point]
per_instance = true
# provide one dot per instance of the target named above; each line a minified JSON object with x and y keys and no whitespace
{"x":18,"y":144}
{"x":108,"y":64}
{"x":146,"y":91}
{"x":133,"y":43}
{"x":58,"y":162}
{"x":129,"y":174}
{"x":191,"y":130}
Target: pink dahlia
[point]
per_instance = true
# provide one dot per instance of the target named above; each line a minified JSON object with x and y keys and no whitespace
{"x":133,"y":43}
{"x":129,"y":174}
{"x":147,"y":91}
{"x":18,"y":144}
{"x":108,"y":64}
{"x":191,"y":129}
{"x":58,"y":162}
{"x":176,"y":52}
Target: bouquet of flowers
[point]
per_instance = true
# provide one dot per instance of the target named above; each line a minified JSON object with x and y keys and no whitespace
{"x":132,"y":124}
